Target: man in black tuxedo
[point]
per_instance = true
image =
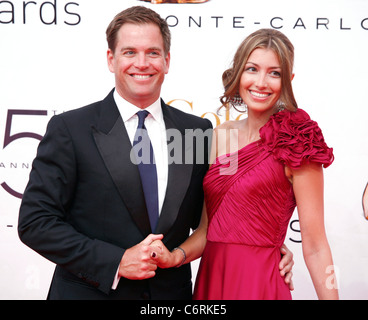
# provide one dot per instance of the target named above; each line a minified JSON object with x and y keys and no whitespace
{"x":84,"y":207}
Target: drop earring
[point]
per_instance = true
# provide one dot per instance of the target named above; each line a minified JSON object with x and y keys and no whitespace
{"x":236,"y":102}
{"x":280,"y":106}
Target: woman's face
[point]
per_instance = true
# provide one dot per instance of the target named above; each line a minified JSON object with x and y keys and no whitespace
{"x":260,"y":83}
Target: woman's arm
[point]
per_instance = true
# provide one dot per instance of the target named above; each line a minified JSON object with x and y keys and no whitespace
{"x":308,"y":189}
{"x":193,"y":247}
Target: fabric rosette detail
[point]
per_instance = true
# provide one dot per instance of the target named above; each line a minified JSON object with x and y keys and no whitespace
{"x":295,"y":139}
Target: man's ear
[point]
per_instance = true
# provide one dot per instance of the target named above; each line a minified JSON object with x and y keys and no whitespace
{"x":110,"y":60}
{"x":167,"y":61}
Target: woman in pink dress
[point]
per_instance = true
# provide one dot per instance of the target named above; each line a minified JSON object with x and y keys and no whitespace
{"x":262,"y":168}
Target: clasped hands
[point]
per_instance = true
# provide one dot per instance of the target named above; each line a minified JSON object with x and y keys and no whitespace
{"x":142,"y":260}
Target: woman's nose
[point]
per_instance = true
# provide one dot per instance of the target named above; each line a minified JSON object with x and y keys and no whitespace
{"x":261,"y":81}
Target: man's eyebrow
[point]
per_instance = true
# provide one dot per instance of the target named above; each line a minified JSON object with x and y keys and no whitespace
{"x":148,"y":49}
{"x":126,"y":48}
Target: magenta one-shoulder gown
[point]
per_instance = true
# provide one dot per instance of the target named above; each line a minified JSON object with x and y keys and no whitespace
{"x":249,"y":206}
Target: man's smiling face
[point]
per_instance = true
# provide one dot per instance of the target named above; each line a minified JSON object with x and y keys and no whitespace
{"x":139,"y":63}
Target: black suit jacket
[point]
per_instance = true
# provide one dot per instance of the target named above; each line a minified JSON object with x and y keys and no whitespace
{"x":84,"y":204}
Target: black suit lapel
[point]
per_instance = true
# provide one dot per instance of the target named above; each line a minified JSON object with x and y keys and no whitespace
{"x":179,"y":177}
{"x":114,"y":146}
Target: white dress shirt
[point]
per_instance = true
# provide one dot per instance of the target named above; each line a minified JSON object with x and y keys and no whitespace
{"x":156,"y":129}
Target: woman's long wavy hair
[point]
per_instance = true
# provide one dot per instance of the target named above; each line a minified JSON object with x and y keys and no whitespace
{"x":266,"y":39}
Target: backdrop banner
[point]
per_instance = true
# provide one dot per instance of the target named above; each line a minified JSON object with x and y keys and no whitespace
{"x":53,"y":59}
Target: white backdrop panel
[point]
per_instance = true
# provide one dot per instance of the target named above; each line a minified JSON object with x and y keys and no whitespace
{"x":53,"y":59}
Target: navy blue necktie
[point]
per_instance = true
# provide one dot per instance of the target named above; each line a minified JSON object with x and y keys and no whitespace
{"x":147,"y":168}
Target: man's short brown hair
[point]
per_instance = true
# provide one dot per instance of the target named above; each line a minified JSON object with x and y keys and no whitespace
{"x":137,"y":15}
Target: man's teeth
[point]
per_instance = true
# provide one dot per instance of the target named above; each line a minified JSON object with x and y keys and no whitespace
{"x":141,"y":76}
{"x":260,"y":95}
